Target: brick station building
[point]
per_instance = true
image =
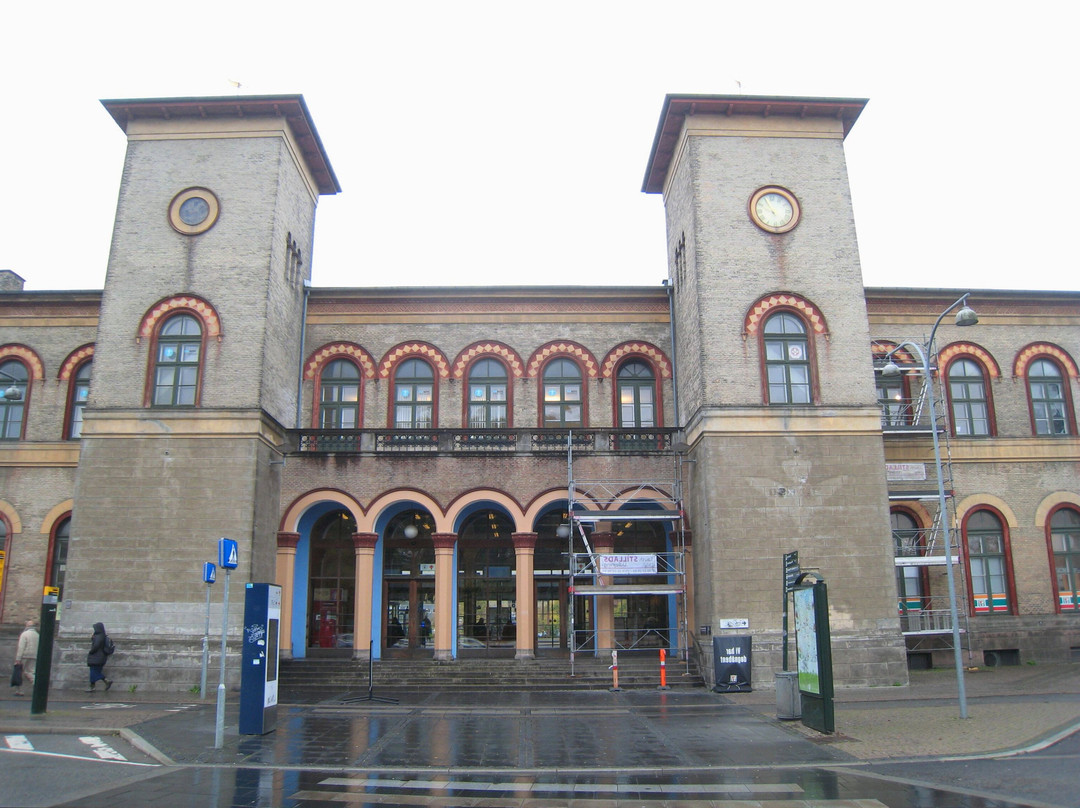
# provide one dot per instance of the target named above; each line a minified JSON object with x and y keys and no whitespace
{"x":431,"y":472}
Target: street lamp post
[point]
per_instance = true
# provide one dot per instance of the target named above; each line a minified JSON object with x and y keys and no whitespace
{"x":13,"y":393}
{"x":964,"y":317}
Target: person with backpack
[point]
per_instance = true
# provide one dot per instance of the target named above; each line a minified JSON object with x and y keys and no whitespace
{"x":101,"y":648}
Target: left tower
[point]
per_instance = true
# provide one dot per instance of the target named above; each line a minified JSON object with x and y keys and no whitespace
{"x":196,"y":370}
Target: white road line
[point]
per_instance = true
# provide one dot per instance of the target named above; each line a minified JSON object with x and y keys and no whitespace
{"x":101,"y":749}
{"x":38,"y":753}
{"x":18,"y":742}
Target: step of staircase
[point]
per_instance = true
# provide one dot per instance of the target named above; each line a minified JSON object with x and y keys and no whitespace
{"x":312,"y":680}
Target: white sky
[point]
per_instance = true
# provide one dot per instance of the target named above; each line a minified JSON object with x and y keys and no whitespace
{"x":505,"y":143}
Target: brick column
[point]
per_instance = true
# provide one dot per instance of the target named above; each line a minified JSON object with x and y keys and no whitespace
{"x":444,"y":593}
{"x":524,"y":551}
{"x":284,"y":572}
{"x":364,"y":544}
{"x":602,"y":544}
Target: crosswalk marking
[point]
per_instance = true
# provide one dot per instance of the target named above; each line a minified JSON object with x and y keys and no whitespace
{"x":100,"y":748}
{"x":18,"y":742}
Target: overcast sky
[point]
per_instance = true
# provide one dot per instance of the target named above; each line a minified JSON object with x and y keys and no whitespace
{"x":505,"y":142}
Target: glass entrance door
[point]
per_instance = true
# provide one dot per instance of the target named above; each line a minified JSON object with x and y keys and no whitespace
{"x":409,"y":617}
{"x":551,"y":616}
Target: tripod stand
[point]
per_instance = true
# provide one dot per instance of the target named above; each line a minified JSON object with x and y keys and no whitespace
{"x":370,"y":682}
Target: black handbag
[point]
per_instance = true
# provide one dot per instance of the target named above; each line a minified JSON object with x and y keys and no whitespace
{"x":16,"y":675}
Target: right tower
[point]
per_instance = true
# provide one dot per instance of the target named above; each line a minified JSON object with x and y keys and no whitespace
{"x":774,"y":384}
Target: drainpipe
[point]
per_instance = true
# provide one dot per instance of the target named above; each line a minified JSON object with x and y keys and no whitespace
{"x":300,"y":374}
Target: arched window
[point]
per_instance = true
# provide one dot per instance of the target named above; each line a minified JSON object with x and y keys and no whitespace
{"x":14,"y":383}
{"x":58,"y":555}
{"x":987,"y":562}
{"x":80,"y":392}
{"x":1049,"y":407}
{"x":563,"y":402}
{"x":893,"y":400}
{"x":909,"y":540}
{"x":488,"y":395}
{"x":176,"y":369}
{"x":969,"y":399}
{"x":339,"y":396}
{"x":637,"y":395}
{"x":1065,"y":546}
{"x":414,"y":395}
{"x":787,"y":359}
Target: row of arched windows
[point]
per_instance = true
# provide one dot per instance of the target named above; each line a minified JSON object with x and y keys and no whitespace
{"x":968,"y":370}
{"x":487,"y":400}
{"x":785,"y":326}
{"x":988,"y":559}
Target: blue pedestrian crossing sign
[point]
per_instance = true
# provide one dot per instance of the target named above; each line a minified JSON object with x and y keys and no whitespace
{"x":228,"y":558}
{"x":209,"y":572}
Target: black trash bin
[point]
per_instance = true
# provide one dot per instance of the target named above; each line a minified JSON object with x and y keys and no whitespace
{"x":732,"y":660}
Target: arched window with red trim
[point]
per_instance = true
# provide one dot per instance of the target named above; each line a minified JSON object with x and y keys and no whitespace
{"x":339,"y":395}
{"x":1064,"y":530}
{"x":563,"y":394}
{"x":488,"y":396}
{"x":178,"y":362}
{"x":787,"y":359}
{"x":78,"y":395}
{"x":1048,"y":395}
{"x":14,"y":387}
{"x":969,"y":397}
{"x":987,"y":544}
{"x":414,"y":395}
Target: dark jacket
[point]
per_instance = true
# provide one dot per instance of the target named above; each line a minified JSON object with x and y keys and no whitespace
{"x":97,"y":655}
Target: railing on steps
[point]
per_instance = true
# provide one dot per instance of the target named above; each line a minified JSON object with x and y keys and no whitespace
{"x":325,"y":679}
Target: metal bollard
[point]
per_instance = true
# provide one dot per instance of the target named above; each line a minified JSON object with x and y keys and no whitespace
{"x":615,"y":671}
{"x":663,"y":669}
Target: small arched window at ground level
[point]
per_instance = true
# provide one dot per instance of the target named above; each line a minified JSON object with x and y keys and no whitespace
{"x":1065,"y":547}
{"x":58,"y":555}
{"x":909,"y":541}
{"x":787,"y":359}
{"x":987,"y":562}
{"x":178,"y":361}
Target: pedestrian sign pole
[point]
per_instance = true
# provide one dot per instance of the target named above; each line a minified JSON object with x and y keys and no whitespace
{"x":791,"y":575}
{"x":227,"y":560}
{"x":209,"y":576}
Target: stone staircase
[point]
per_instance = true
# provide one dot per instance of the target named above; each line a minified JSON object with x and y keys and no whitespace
{"x":306,"y":681}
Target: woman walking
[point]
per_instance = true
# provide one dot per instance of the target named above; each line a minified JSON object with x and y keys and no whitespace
{"x":100,"y":648}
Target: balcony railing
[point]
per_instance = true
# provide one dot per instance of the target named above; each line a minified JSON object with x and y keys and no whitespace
{"x":481,"y":441}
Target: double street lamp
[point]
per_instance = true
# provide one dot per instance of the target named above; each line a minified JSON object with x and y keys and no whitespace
{"x":965,"y":317}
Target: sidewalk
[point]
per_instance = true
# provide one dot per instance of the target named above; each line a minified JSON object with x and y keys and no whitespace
{"x":1008,"y":708}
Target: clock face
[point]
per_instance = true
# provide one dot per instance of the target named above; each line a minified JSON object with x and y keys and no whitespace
{"x":774,"y":209}
{"x":193,"y":211}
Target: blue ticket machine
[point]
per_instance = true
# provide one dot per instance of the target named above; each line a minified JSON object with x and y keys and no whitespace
{"x":259,"y":659}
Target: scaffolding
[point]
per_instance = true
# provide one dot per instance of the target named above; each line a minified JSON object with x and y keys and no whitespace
{"x":594,"y":574}
{"x":927,"y":623}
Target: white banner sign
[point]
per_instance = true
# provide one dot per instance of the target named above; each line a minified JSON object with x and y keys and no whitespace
{"x":637,"y":564}
{"x":905,"y":471}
